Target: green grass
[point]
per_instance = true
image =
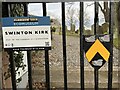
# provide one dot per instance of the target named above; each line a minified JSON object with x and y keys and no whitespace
{"x":116,"y":42}
{"x":70,"y":33}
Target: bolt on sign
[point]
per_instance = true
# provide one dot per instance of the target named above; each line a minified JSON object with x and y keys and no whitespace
{"x":97,"y":51}
{"x":26,"y":33}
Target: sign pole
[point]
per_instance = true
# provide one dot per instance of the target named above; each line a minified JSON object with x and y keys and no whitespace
{"x":12,"y":66}
{"x":47,"y":69}
{"x":29,"y":70}
{"x":96,"y":78}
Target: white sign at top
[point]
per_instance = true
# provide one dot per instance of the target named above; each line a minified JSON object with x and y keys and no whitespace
{"x":26,"y":33}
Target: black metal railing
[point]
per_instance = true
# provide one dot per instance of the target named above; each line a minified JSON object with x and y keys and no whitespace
{"x":47,"y":70}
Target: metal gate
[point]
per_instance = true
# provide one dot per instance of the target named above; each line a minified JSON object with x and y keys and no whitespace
{"x":82,"y":51}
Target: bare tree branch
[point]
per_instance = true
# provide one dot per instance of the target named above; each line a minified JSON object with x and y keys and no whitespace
{"x":88,"y":6}
{"x":101,"y":8}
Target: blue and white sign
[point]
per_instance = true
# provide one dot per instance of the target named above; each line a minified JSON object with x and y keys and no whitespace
{"x":26,"y":33}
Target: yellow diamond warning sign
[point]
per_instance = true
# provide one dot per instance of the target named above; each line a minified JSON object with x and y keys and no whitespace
{"x":97,"y":47}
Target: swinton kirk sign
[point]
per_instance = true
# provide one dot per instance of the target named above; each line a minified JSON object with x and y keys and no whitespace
{"x":26,"y":33}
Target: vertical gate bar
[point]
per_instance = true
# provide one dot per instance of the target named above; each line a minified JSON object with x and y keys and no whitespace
{"x":25,"y":9}
{"x":81,"y":45}
{"x":5,"y":11}
{"x":28,"y":54}
{"x":44,"y":9}
{"x":12,"y":66}
{"x":64,"y":46}
{"x":96,"y":20}
{"x":29,"y":69}
{"x":47,"y":71}
{"x":12,"y":63}
{"x":110,"y":62}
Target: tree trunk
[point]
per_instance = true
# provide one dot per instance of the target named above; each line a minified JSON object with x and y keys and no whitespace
{"x":118,"y":17}
{"x":106,"y":12}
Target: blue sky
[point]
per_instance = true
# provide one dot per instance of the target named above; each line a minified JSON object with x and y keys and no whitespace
{"x":54,"y":11}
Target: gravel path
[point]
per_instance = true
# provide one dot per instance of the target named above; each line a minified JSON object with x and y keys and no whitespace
{"x":73,"y":51}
